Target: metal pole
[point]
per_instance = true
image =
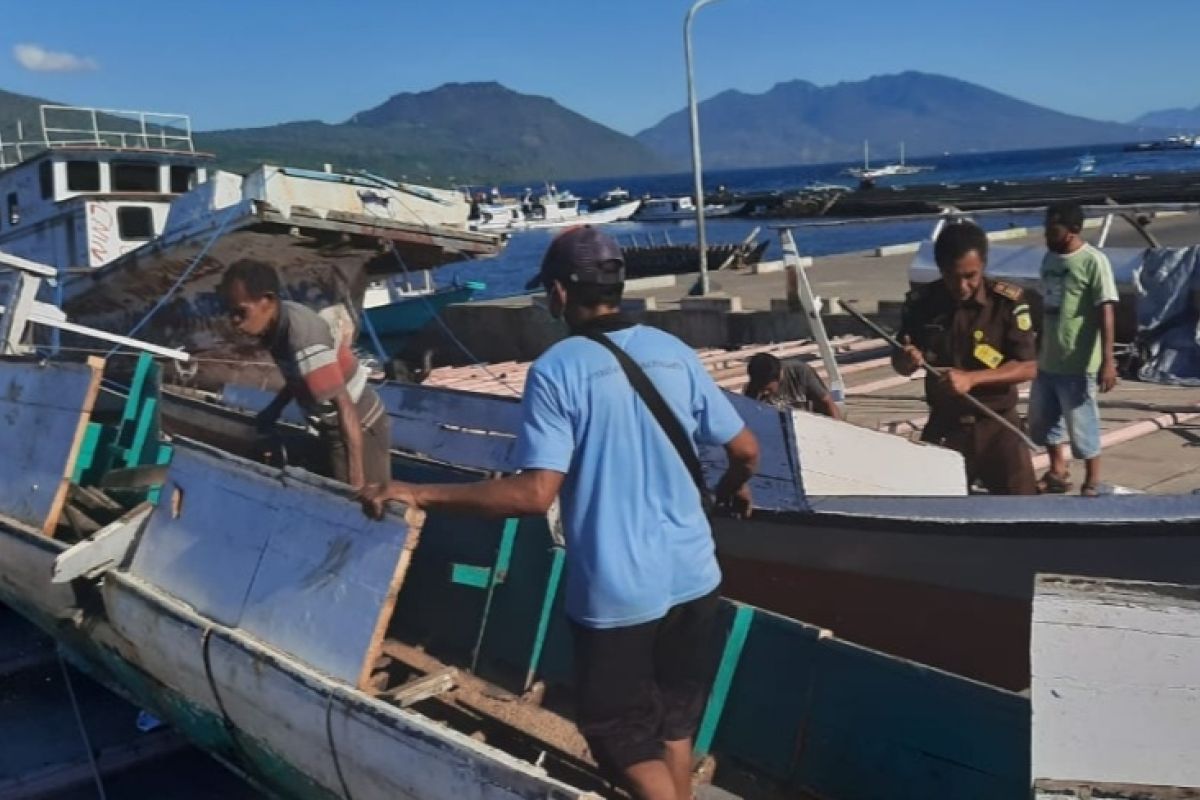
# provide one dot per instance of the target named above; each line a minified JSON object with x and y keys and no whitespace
{"x":695,"y":130}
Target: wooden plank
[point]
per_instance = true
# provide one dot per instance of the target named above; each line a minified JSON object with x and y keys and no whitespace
{"x":1116,"y":691}
{"x":284,"y":555}
{"x":44,"y":410}
{"x":422,"y":688}
{"x":96,"y":365}
{"x":832,"y":462}
{"x":106,"y":549}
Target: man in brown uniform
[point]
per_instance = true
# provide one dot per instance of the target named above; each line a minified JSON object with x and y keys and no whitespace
{"x":981,"y":332}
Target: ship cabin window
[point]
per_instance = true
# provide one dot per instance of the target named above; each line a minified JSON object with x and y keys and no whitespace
{"x":135,"y":223}
{"x":183,"y":178}
{"x":46,"y":179}
{"x":135,"y":176}
{"x":83,"y":176}
{"x":566,"y":204}
{"x":14,"y":209}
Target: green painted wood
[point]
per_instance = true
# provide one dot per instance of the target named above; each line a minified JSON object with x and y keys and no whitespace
{"x":730,"y":656}
{"x":498,"y":575}
{"x":467,"y":575}
{"x":137,"y":387}
{"x":553,"y":580}
{"x":87,"y":451}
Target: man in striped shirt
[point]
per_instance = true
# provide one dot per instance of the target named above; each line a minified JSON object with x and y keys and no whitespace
{"x":320,"y":374}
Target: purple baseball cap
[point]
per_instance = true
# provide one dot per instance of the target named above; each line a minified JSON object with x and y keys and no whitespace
{"x":581,"y":255}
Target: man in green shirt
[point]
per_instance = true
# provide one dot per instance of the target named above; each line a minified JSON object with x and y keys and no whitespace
{"x":1076,"y":356}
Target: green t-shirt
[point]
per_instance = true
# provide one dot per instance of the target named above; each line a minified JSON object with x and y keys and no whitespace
{"x":1074,"y":286}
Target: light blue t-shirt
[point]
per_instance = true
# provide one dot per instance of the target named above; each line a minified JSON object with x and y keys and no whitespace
{"x":638,"y":541}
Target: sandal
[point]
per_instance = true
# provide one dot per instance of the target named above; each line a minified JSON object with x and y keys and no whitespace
{"x":1053,"y":483}
{"x":1089,"y":490}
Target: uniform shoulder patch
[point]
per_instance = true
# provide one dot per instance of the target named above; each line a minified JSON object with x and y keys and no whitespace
{"x":1009,"y":290}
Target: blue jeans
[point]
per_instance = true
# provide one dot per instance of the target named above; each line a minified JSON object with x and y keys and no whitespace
{"x":1062,"y":408}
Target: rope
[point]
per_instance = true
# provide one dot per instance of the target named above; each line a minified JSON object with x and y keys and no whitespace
{"x":87,"y":742}
{"x":449,"y":333}
{"x":337,"y":761}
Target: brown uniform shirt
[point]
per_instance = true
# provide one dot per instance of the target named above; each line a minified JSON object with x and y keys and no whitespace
{"x":992,"y":327}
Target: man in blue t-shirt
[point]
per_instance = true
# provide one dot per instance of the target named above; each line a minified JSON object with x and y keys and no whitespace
{"x":642,"y":573}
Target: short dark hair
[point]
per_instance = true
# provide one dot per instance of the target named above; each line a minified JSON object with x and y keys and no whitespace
{"x":259,"y":278}
{"x":595,"y":295}
{"x":956,"y":240}
{"x":762,"y":369}
{"x":1068,"y":213}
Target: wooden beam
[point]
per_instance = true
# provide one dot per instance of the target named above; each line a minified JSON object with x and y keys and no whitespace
{"x":96,"y":365}
{"x":108,"y":548}
{"x":422,"y":688}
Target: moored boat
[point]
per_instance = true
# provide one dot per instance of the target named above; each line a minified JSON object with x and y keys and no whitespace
{"x":140,"y":229}
{"x":552,"y":208}
{"x":671,"y":209}
{"x":323,"y":655}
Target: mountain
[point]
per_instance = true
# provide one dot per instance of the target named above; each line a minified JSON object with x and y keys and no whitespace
{"x":1184,"y":119}
{"x":468,"y":132}
{"x":799,"y":122}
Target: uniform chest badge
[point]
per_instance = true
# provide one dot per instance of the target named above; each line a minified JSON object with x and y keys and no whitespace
{"x":988,"y":355}
{"x":1024,"y":321}
{"x":979,"y":336}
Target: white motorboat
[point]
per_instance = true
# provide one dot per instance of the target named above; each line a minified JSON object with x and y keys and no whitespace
{"x":551,"y":209}
{"x":667,"y":209}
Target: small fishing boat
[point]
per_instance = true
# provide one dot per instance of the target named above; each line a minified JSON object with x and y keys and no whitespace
{"x":670,"y":209}
{"x":322,"y":655}
{"x":550,"y":209}
{"x":395,"y":309}
{"x":1085,"y":165}
{"x":643,"y":261}
{"x":140,"y":228}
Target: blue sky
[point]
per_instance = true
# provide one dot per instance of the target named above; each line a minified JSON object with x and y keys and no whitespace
{"x":620,"y":62}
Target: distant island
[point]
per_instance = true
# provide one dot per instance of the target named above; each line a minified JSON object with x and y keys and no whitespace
{"x":483,"y":133}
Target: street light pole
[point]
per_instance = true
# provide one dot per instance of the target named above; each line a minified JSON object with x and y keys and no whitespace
{"x":702,"y":240}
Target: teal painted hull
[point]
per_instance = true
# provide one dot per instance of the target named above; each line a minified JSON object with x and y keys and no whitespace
{"x":394,"y":322}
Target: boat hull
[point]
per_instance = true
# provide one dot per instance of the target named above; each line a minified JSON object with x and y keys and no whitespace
{"x":394,"y":322}
{"x":951,"y":590}
{"x":322,"y":264}
{"x":654,"y":215}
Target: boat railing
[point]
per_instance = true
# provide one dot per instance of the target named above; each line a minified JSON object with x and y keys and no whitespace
{"x":83,"y":126}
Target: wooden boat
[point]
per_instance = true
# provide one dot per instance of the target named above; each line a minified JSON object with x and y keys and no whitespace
{"x":551,"y":209}
{"x":140,"y":229}
{"x":678,"y":259}
{"x":403,"y":314}
{"x":942,"y":580}
{"x":1114,"y":689}
{"x":674,"y":209}
{"x":322,"y":655}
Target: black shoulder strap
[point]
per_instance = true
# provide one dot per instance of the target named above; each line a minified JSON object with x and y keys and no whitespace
{"x":658,"y":407}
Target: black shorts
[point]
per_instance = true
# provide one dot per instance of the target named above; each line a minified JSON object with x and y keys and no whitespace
{"x":642,"y":685}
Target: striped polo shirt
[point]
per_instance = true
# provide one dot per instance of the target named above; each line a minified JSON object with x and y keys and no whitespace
{"x":316,"y":368}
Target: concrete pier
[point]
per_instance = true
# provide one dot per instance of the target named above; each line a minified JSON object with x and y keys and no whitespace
{"x":745,"y":307}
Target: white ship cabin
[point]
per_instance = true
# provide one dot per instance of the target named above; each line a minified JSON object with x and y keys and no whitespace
{"x":95,"y":185}
{"x":652,"y":206}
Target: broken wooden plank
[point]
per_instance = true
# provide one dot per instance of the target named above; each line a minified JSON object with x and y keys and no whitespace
{"x":286,"y":556}
{"x":107,"y":549}
{"x":44,"y":411}
{"x":422,"y":688}
{"x":1116,"y":692}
